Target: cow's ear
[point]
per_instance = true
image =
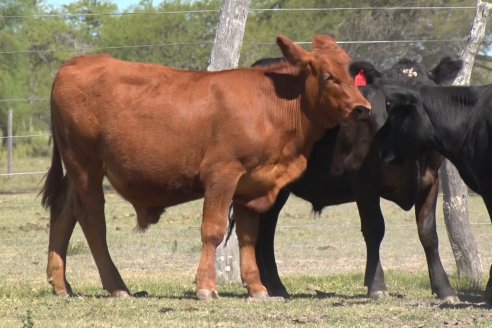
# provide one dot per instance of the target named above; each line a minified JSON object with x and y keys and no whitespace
{"x":295,"y":54}
{"x":446,"y":71}
{"x":370,"y":72}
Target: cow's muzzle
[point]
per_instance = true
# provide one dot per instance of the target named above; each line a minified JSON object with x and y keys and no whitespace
{"x":360,"y":113}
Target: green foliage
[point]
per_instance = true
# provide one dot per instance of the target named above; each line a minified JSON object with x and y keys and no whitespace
{"x":35,"y":39}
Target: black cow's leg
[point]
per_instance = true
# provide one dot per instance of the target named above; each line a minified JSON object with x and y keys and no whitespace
{"x":372,"y":225}
{"x":487,"y":198}
{"x":265,"y":248}
{"x":425,"y":213}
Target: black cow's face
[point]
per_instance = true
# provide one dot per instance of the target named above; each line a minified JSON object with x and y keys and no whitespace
{"x":408,"y":130}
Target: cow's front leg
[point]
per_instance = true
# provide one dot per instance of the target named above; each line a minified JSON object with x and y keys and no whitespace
{"x":372,"y":226}
{"x":247,"y":226}
{"x":219,"y":190}
{"x":488,"y":289}
{"x":89,"y":210}
{"x":425,"y":213}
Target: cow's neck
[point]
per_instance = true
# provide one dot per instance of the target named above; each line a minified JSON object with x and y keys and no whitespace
{"x":292,"y":110}
{"x":450,"y":111}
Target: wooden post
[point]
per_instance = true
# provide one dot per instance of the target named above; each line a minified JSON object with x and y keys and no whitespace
{"x":225,"y":55}
{"x":10,"y":142}
{"x":455,"y":192}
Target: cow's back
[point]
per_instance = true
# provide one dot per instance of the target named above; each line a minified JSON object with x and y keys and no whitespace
{"x":154,"y":130}
{"x":126,"y":118}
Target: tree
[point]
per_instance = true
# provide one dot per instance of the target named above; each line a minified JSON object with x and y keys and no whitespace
{"x":14,"y":69}
{"x":178,"y":39}
{"x":455,"y":192}
{"x":225,"y":55}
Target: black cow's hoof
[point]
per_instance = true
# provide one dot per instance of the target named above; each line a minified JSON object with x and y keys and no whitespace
{"x":451,"y":299}
{"x":378,"y":294}
{"x":120,"y":293}
{"x":279,"y":293}
{"x":488,"y":296}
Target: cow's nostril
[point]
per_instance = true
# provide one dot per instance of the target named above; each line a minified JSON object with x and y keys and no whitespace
{"x":360,"y":112}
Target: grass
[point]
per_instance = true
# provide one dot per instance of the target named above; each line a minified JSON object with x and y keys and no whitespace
{"x":329,"y":301}
{"x":321,"y":260}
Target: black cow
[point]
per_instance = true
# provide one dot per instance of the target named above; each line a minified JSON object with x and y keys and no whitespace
{"x":456,"y":122}
{"x":358,"y":174}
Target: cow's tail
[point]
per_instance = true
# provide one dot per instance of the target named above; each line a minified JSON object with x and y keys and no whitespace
{"x":54,"y":185}
{"x":55,"y":182}
{"x":232,"y":223}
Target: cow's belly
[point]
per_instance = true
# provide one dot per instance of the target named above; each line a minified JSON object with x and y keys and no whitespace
{"x":259,"y":188}
{"x":154,"y":187}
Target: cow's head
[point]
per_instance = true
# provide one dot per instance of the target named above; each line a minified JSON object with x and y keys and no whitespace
{"x":401,"y":84}
{"x":408,"y":131}
{"x":328,"y":83}
{"x":409,"y":72}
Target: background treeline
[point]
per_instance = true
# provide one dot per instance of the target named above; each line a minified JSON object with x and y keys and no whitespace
{"x":36,"y":38}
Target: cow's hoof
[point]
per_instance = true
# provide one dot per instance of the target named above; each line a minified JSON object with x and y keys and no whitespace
{"x":451,"y":299}
{"x":63,"y":293}
{"x":120,"y":293}
{"x":207,"y":295}
{"x":488,"y":296}
{"x":263,"y":296}
{"x":61,"y":290}
{"x":282,"y":293}
{"x":378,"y":294}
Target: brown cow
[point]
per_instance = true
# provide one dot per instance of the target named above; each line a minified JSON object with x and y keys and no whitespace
{"x":164,"y":137}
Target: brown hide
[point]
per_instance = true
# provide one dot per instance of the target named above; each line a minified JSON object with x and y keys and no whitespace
{"x":164,"y":136}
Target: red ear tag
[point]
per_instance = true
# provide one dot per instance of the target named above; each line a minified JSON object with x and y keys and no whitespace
{"x":360,"y":79}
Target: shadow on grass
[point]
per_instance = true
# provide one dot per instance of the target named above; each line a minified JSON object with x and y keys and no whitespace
{"x":469,"y":298}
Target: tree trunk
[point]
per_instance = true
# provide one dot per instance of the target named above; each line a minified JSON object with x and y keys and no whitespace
{"x":225,"y":55}
{"x":455,"y":192}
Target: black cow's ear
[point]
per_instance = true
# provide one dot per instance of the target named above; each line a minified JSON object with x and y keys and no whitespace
{"x":446,"y":71}
{"x":370,"y":72}
{"x":268,"y":61}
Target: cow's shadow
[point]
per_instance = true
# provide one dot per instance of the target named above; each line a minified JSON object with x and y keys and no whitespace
{"x":469,"y":299}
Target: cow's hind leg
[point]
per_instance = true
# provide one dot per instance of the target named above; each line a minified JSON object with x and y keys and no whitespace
{"x":425,"y":212}
{"x":220,"y":185}
{"x":247,"y":232}
{"x":62,"y":223}
{"x":89,"y":211}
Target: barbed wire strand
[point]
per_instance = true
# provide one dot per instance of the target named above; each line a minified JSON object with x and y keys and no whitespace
{"x":130,"y":232}
{"x":204,"y":11}
{"x":173,"y":44}
{"x":22,"y":173}
{"x":27,"y":136}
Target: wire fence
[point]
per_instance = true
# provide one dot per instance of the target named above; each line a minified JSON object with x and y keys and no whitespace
{"x":43,"y":98}
{"x":251,"y":10}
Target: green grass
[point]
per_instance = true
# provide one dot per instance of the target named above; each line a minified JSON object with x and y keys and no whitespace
{"x":329,"y":301}
{"x":321,"y":260}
